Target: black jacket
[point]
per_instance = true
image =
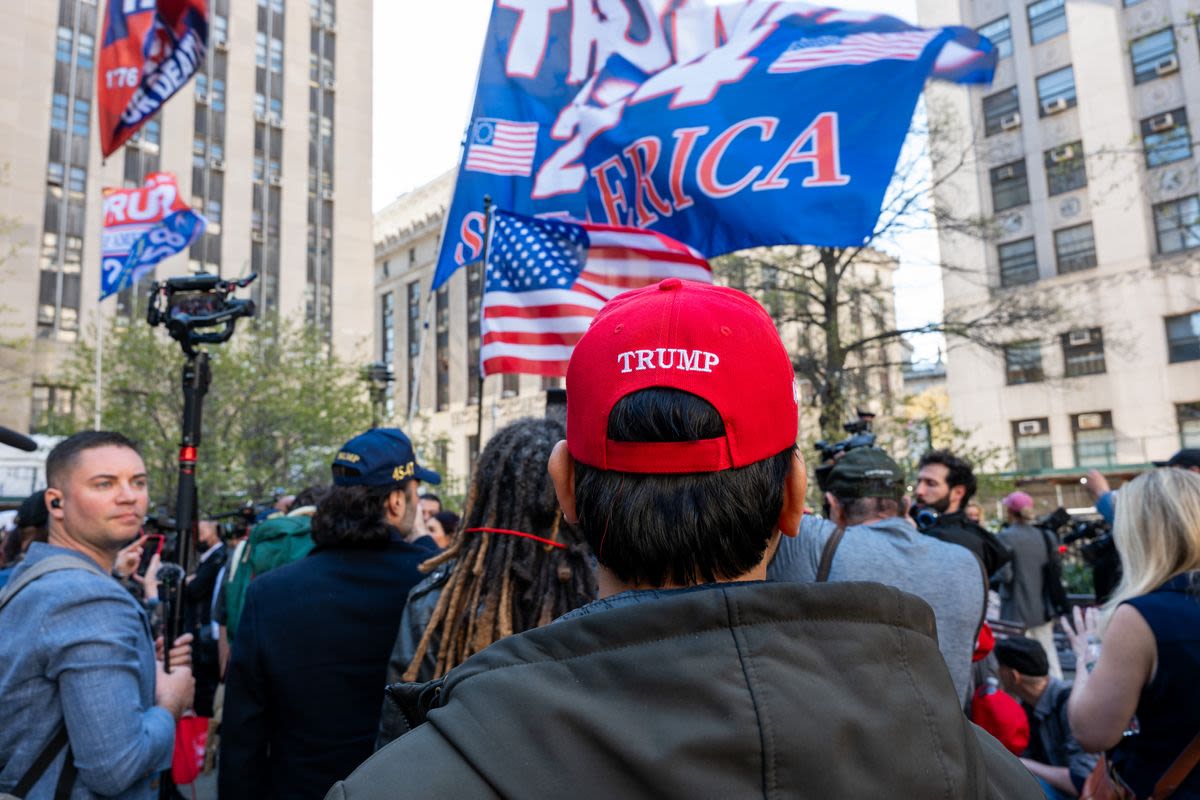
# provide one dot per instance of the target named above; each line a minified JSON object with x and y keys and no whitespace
{"x":732,"y":690}
{"x":957,"y":529}
{"x":308,"y":669}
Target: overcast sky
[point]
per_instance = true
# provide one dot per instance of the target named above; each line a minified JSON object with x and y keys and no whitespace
{"x":426,"y":56}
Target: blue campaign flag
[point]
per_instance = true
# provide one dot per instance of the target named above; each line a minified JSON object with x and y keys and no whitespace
{"x":142,"y":226}
{"x":723,"y":125}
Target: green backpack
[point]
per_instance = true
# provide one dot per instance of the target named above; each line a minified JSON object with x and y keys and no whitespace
{"x":273,"y":543}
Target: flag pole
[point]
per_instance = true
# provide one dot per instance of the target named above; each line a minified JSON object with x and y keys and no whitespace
{"x":99,"y":364}
{"x":487,"y":248}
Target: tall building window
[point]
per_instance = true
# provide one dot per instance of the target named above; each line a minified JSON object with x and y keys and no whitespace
{"x":414,"y":340}
{"x":1166,"y":139}
{"x":65,"y":206}
{"x":1075,"y":248}
{"x":1056,"y":91}
{"x":510,"y":386}
{"x":387,"y":323}
{"x":1023,"y":363}
{"x":268,"y":151}
{"x":321,"y":87}
{"x":1189,"y":424}
{"x":1083,"y":352}
{"x":50,"y":403}
{"x":1065,"y":168}
{"x":1183,"y":337}
{"x":1010,"y":185}
{"x":1177,"y":224}
{"x":442,"y":329}
{"x":1018,"y":262}
{"x":208,"y":144}
{"x":1153,"y":55}
{"x":1000,"y":111}
{"x":551,"y":382}
{"x":1000,"y":33}
{"x":1095,"y":441}
{"x":1031,"y":440}
{"x":1047,"y":19}
{"x":474,"y":307}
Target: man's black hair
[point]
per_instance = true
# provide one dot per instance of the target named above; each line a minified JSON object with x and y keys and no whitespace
{"x":655,"y":530}
{"x":354,"y":515}
{"x":64,"y":455}
{"x":430,"y":496}
{"x":959,"y":472}
{"x":310,"y":496}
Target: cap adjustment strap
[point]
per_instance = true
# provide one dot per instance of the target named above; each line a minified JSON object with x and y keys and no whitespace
{"x":703,"y":455}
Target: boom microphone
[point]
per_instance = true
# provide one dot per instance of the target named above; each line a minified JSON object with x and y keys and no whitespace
{"x":17,"y":440}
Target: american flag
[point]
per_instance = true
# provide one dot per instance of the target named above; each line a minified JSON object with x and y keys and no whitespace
{"x":858,"y":48}
{"x":547,"y":278}
{"x":502,"y":147}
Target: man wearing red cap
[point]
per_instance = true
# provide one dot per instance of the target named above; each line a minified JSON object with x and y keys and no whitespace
{"x":1022,"y":581}
{"x":692,"y":676}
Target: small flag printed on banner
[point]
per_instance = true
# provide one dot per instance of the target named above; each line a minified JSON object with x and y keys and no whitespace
{"x":860,"y":48}
{"x":547,"y":278}
{"x":502,"y":147}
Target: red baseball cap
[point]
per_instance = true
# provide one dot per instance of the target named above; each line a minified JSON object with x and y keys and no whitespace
{"x":711,"y":341}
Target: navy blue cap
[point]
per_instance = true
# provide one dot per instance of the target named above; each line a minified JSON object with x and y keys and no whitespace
{"x":379,"y":457}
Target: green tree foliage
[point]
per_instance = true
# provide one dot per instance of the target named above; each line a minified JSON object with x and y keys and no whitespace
{"x":278,"y":407}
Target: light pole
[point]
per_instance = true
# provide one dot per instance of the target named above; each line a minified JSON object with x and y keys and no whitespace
{"x":378,"y":375}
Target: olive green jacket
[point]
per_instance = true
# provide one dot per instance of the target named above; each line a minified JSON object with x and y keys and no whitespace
{"x":732,"y":690}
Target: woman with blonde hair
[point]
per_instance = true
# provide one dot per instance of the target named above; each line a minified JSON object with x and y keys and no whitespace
{"x":1137,"y":697}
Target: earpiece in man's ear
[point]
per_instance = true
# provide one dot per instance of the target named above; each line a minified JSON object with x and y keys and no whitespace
{"x":56,"y":503}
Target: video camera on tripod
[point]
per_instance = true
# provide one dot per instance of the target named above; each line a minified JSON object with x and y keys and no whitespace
{"x":861,"y":435}
{"x":190,"y":307}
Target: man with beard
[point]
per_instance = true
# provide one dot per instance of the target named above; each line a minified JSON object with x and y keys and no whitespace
{"x":945,"y":485}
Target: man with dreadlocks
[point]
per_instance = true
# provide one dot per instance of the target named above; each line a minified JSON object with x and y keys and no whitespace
{"x":692,"y":676}
{"x":515,"y":566}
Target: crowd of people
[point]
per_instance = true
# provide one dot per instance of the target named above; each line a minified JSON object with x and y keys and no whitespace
{"x":638,"y":603}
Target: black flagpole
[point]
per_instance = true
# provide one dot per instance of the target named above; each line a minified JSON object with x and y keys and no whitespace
{"x":483,"y":270}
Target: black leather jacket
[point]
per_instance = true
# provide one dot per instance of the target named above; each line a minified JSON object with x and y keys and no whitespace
{"x":957,"y":529}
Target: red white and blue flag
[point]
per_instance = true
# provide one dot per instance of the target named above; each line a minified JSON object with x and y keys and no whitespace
{"x":502,"y":147}
{"x":547,"y":278}
{"x":150,"y":49}
{"x":143,"y":226}
{"x":723,"y":124}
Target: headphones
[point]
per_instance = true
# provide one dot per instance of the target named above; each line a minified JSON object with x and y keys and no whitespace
{"x":56,"y":503}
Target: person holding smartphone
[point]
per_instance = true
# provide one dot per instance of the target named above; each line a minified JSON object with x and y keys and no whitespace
{"x":89,"y":709}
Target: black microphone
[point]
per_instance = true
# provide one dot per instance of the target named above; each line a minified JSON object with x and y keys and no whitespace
{"x":17,"y":440}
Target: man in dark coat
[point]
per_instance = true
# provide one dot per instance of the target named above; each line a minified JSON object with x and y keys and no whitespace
{"x":309,"y":662}
{"x":693,"y":676}
{"x":945,"y":484}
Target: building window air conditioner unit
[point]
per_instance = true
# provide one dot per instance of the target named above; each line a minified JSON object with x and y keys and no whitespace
{"x":1163,"y":122}
{"x":1079,"y":338}
{"x":260,"y":116}
{"x":1013,"y":120}
{"x":1060,"y":154}
{"x":1029,"y":427}
{"x":1005,"y":173}
{"x":327,"y":194}
{"x":257,"y":236}
{"x":1167,"y":65}
{"x":220,"y":42}
{"x":217,"y":164}
{"x":329,"y":83}
{"x":202,"y":97}
{"x":276,"y":121}
{"x":1089,"y":422}
{"x":1054,"y":106}
{"x":275,"y":180}
{"x":330,"y":28}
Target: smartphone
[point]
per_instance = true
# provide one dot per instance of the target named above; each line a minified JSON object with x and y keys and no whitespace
{"x":152,"y":547}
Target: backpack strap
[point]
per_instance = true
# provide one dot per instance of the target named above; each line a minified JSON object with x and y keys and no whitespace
{"x":831,"y":546}
{"x":43,"y":761}
{"x":55,"y":563}
{"x":1178,"y":772}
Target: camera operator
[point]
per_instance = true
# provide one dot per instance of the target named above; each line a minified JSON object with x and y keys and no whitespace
{"x":867,"y":538}
{"x":945,"y":485}
{"x":1022,"y":581}
{"x":79,"y":669}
